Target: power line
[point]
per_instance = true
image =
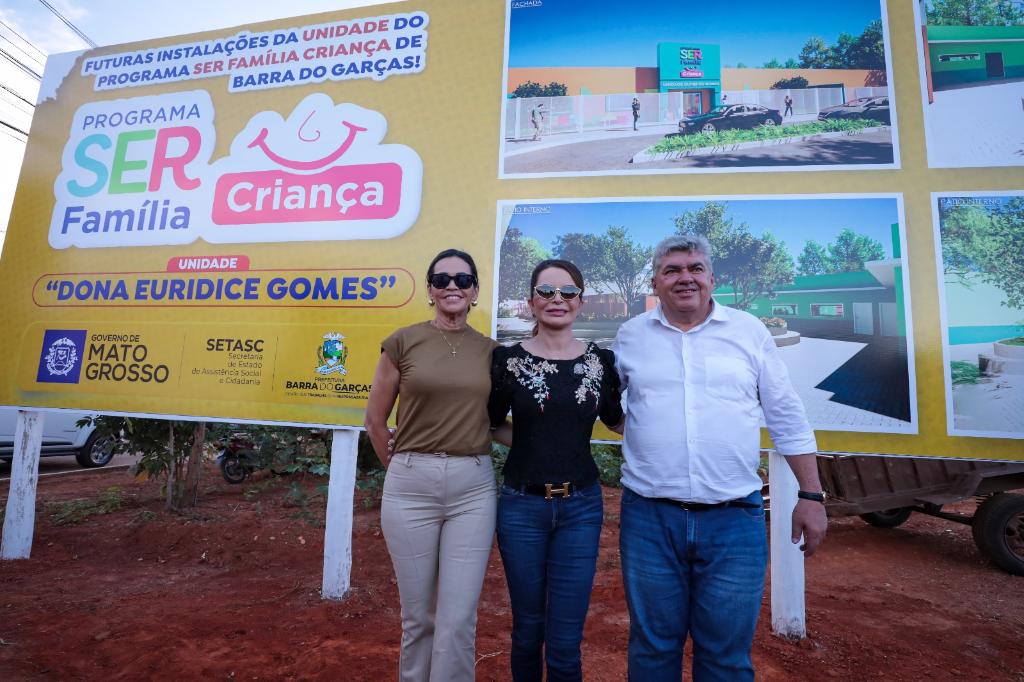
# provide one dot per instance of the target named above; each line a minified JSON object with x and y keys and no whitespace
{"x":23,"y":38}
{"x":13,"y":137}
{"x":12,"y":59}
{"x":14,"y":128}
{"x":17,"y":95}
{"x":67,"y":23}
{"x":19,"y":49}
{"x":15,"y":105}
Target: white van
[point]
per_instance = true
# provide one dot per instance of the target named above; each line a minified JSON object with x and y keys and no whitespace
{"x":61,"y":436}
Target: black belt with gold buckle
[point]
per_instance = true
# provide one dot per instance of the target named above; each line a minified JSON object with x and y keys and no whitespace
{"x":550,"y":491}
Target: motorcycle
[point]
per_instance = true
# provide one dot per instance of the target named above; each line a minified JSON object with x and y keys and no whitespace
{"x":237,"y":457}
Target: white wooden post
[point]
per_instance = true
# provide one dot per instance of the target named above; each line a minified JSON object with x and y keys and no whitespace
{"x":340,"y":498}
{"x":787,"y":561}
{"x":20,"y":518}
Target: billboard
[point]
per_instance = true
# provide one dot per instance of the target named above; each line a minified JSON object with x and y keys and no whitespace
{"x":225,"y":225}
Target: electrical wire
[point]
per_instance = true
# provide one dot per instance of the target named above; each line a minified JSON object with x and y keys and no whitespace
{"x":13,"y":137}
{"x":67,"y":23}
{"x":15,"y":94}
{"x":14,"y":128}
{"x":23,"y":38}
{"x":19,"y":49}
{"x":12,"y":59}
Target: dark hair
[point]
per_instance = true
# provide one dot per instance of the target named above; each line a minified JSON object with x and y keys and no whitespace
{"x":452,"y":253}
{"x":574,"y":272}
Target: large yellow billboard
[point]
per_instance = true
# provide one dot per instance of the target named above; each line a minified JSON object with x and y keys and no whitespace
{"x":225,"y":225}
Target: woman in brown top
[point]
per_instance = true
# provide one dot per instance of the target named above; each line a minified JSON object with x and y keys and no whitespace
{"x":439,"y":503}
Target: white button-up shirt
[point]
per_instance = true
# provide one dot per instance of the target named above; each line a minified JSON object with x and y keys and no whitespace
{"x":694,"y":400}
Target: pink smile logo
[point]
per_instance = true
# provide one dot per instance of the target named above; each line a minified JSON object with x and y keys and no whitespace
{"x":319,"y":174}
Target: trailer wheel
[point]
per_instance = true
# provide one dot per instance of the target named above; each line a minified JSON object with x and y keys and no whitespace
{"x":888,"y":518}
{"x":998,"y":529}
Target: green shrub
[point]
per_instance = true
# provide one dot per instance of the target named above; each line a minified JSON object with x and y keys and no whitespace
{"x":721,"y":138}
{"x":609,"y":463}
{"x":964,"y":372}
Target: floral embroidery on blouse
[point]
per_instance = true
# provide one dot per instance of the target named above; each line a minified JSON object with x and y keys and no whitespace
{"x":592,"y":373}
{"x":530,"y":374}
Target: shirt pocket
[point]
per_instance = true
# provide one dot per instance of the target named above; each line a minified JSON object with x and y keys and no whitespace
{"x":728,"y":378}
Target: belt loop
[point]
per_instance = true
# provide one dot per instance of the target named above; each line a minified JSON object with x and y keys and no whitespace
{"x":408,"y":459}
{"x":476,"y":458}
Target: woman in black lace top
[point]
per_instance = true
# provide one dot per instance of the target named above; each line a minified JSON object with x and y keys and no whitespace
{"x":550,"y":509}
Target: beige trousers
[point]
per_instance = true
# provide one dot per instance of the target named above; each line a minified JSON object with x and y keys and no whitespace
{"x":438,"y":515}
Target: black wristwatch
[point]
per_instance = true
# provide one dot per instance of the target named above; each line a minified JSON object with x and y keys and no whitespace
{"x":816,"y":497}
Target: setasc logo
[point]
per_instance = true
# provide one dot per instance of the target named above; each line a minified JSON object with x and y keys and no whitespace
{"x":136,"y":172}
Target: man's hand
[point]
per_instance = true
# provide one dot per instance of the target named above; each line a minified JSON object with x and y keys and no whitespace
{"x":810,"y":521}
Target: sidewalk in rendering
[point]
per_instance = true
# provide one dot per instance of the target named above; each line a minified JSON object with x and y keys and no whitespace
{"x":523,"y":145}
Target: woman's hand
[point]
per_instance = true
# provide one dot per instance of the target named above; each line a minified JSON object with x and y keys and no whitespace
{"x":503,"y":434}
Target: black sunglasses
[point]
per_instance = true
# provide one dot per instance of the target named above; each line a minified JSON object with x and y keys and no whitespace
{"x":567,"y":292}
{"x":441,"y":280}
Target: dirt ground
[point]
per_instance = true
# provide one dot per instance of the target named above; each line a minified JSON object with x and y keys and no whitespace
{"x":231,"y":592}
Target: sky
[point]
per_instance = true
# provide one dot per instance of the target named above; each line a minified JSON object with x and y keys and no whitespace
{"x":795,"y":221}
{"x":615,"y":33}
{"x":106,"y":22}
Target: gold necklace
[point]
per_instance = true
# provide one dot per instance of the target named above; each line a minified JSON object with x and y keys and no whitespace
{"x":453,"y":349}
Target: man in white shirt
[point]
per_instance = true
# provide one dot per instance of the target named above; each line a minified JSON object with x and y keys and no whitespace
{"x":698,"y":375}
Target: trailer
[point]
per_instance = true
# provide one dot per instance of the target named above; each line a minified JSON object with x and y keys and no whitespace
{"x":885,"y":491}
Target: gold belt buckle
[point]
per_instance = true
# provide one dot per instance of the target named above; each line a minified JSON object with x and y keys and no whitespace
{"x":550,"y":492}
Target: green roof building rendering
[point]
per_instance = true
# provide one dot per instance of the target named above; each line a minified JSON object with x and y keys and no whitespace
{"x":959,"y":55}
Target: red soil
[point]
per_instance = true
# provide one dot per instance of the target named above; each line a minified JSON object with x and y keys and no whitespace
{"x":231,"y":591}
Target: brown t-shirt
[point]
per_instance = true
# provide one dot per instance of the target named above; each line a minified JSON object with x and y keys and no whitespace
{"x":442,"y":400}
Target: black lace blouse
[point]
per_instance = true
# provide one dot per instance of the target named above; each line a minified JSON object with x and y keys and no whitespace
{"x":554,"y":405}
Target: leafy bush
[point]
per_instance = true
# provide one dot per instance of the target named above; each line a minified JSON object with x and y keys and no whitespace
{"x":793,"y":83}
{"x":722,"y":138}
{"x":609,"y":463}
{"x":964,"y":372}
{"x":774,"y":322}
{"x":1018,"y":341}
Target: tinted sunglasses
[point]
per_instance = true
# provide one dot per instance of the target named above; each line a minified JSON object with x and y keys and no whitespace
{"x":568,"y":292}
{"x":463,"y":280}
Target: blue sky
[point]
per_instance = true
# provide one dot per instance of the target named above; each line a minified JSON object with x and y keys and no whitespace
{"x":793,"y":220}
{"x":606,"y":33}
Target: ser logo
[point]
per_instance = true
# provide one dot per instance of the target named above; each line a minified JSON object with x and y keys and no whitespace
{"x":332,"y":355}
{"x":60,"y":355}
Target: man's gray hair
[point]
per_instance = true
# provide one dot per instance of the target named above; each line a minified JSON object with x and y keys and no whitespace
{"x":692,"y":243}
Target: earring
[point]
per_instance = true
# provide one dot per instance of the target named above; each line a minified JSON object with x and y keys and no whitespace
{"x":430,"y":301}
{"x":474,"y":303}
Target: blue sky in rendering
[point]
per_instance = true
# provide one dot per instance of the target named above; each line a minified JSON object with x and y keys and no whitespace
{"x":793,"y":220}
{"x":606,"y":33}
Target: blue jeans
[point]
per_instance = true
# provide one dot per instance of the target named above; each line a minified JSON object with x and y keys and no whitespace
{"x":549,"y":548}
{"x":696,"y":573}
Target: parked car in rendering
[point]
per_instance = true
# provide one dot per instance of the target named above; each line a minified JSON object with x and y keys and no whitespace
{"x":743,"y":116}
{"x":872,"y":108}
{"x":61,"y":436}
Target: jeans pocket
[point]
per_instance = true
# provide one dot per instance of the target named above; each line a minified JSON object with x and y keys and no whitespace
{"x":756,"y":513}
